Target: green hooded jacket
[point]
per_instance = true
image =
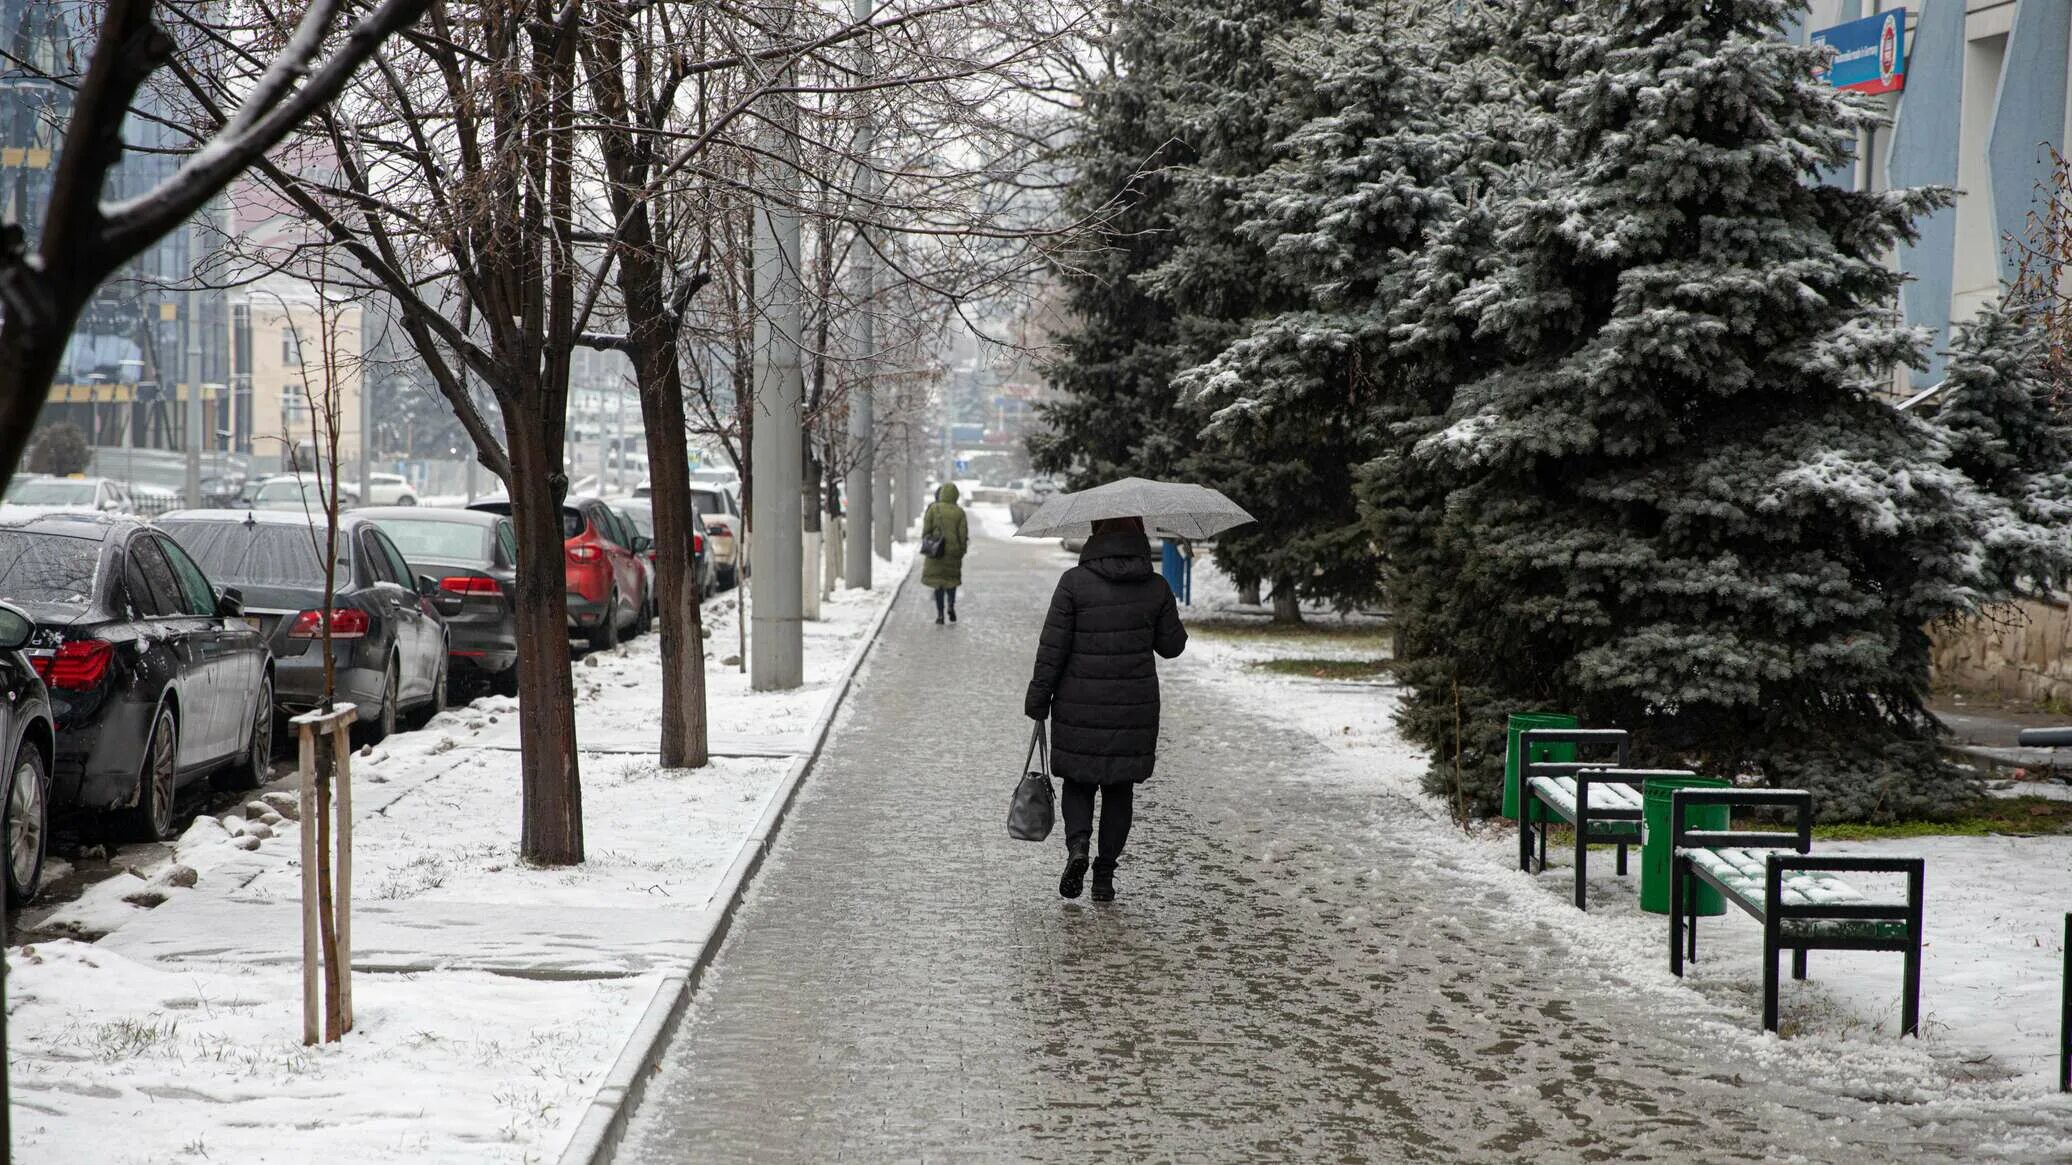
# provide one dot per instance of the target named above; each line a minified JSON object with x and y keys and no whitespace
{"x":945,"y":519}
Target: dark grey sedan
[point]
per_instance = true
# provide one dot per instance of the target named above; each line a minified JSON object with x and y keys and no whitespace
{"x":474,"y":556}
{"x":388,"y":631}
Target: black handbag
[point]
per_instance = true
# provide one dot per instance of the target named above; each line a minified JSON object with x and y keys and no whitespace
{"x":1034,"y":808}
{"x":931,"y":544}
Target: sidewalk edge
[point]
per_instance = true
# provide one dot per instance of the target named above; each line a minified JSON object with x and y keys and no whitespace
{"x":597,"y":1136}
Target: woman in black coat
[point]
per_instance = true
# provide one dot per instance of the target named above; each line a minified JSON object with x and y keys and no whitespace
{"x":1097,"y":684}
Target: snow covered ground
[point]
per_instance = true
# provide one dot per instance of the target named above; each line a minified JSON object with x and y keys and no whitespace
{"x":492,"y":997}
{"x":1995,"y":908}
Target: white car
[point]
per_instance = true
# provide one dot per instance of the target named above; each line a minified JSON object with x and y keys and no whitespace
{"x":306,"y":494}
{"x":52,"y":494}
{"x":1031,"y":495}
{"x":385,"y":489}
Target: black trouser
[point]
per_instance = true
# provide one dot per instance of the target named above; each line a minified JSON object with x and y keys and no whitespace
{"x":940,"y":592}
{"x":1115,"y":818}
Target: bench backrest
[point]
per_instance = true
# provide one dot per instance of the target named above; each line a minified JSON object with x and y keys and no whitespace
{"x":1594,"y":738}
{"x":1682,"y":836}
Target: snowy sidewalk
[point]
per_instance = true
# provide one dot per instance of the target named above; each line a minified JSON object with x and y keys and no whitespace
{"x":492,"y":997}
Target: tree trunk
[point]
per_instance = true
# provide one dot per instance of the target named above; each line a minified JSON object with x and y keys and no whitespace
{"x":1287,"y":608}
{"x":550,"y":779}
{"x":1248,"y":592}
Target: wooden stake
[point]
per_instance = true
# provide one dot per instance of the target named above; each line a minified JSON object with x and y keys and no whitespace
{"x":306,"y":735}
{"x":342,"y":891}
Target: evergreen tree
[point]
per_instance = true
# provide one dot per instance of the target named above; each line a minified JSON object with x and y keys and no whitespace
{"x":2001,"y":429}
{"x":1680,"y":506}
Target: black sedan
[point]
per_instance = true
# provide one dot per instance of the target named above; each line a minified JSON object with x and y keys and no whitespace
{"x":388,"y":634}
{"x":28,"y":743}
{"x":154,"y":680}
{"x":472,"y":555}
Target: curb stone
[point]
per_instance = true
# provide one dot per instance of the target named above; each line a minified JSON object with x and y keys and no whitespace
{"x":597,"y":1135}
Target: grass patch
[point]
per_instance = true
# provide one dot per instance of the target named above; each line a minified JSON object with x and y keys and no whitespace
{"x":2011,"y":815}
{"x":1327,"y":669}
{"x":1262,"y":631}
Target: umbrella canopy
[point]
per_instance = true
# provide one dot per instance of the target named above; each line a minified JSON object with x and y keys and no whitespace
{"x":1171,"y":507}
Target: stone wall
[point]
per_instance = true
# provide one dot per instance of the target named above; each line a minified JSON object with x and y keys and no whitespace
{"x":2022,"y":652}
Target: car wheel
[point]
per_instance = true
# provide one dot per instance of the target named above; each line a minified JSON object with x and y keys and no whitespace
{"x":605,"y":635}
{"x":27,"y":821}
{"x":505,"y":682}
{"x":725,"y":575}
{"x":384,"y":723}
{"x":257,"y":765}
{"x":158,"y":782}
{"x":647,"y":616}
{"x":406,"y":500}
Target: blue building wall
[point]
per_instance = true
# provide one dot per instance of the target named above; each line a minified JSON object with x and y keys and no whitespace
{"x":2029,"y":114}
{"x":1925,"y":134}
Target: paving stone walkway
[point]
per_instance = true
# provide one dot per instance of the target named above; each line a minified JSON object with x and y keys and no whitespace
{"x":1287,"y":976}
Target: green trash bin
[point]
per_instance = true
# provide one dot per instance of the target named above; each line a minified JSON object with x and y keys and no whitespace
{"x":1655,"y":843}
{"x":1522,"y":722}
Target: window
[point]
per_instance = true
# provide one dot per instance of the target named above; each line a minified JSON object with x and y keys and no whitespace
{"x":47,"y":568}
{"x":258,"y":555}
{"x":398,"y":566}
{"x":507,"y":538}
{"x":379,"y":568}
{"x":154,"y":592}
{"x":291,"y":348}
{"x":200,"y":598}
{"x":438,"y":541}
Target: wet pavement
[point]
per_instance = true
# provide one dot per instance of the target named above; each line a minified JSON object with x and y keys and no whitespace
{"x":1289,"y":974}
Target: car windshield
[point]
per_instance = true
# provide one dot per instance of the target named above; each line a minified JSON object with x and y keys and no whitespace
{"x":254,"y":554}
{"x":643,"y":520}
{"x":47,"y":568}
{"x":52,"y":493}
{"x":438,"y":541}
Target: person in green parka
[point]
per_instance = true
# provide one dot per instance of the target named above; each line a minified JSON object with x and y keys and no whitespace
{"x":944,"y":572}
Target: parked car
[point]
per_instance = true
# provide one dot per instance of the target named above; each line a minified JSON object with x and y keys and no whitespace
{"x":473,"y":555}
{"x":607,"y":591}
{"x":643,"y":547}
{"x":1030,"y":495}
{"x":721,"y":511}
{"x":49,"y":495}
{"x":155,"y":680}
{"x":642,"y":512}
{"x":388,"y":631}
{"x":384,"y":489}
{"x":28,"y":744}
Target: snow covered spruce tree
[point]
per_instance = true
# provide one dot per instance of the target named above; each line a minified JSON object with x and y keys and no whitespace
{"x":1190,"y":113}
{"x":2002,"y":430}
{"x":1682,"y":510}
{"x":1379,"y":159}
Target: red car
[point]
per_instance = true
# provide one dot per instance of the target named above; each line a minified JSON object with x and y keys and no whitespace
{"x":609,"y":582}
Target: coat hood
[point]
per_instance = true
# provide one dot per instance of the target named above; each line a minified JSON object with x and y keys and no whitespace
{"x":1118,"y":557}
{"x":948,"y":492}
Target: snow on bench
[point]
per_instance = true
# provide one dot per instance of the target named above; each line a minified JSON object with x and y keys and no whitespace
{"x":1601,"y":798}
{"x":1798,"y":896}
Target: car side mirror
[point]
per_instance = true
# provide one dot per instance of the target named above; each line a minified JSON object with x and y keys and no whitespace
{"x":15,"y":629}
{"x":230,"y":602}
{"x":642,"y":544}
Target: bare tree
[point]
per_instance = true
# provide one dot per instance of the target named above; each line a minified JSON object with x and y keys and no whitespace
{"x":85,"y":240}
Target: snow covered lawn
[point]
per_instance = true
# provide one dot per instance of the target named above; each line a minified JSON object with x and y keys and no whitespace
{"x":492,"y":997}
{"x":1995,"y":909}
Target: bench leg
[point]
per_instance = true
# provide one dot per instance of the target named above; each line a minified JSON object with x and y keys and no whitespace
{"x":1910,"y":993}
{"x":1676,"y":918}
{"x":1525,"y":833}
{"x":1770,"y":953}
{"x":1582,"y":865}
{"x":1798,"y":963}
{"x":1543,"y":845}
{"x":1691,"y":922}
{"x":1622,"y":860}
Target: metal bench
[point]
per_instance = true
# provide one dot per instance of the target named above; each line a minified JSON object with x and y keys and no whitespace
{"x":1797,"y":896}
{"x":1601,"y":799}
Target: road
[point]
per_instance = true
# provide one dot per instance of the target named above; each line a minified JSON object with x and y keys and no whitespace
{"x":1287,"y":975}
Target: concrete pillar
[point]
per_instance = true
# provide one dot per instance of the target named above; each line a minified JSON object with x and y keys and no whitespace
{"x":861,"y":518}
{"x":775,"y":550}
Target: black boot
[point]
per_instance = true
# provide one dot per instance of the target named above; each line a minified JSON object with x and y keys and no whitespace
{"x":938,"y":618}
{"x":1075,"y":871}
{"x":953,"y":614}
{"x":1104,"y":885}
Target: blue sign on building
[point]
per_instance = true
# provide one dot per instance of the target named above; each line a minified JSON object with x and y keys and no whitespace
{"x":1870,"y":54}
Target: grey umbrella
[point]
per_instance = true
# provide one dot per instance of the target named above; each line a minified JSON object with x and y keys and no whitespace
{"x":1170,"y":507}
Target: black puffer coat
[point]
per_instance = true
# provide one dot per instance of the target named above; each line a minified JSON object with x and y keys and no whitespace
{"x":1095,"y":677}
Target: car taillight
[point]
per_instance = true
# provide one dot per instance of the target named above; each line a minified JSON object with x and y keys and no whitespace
{"x":466,"y":585}
{"x":346,"y":623}
{"x":585,"y":553}
{"x":77,"y":666}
